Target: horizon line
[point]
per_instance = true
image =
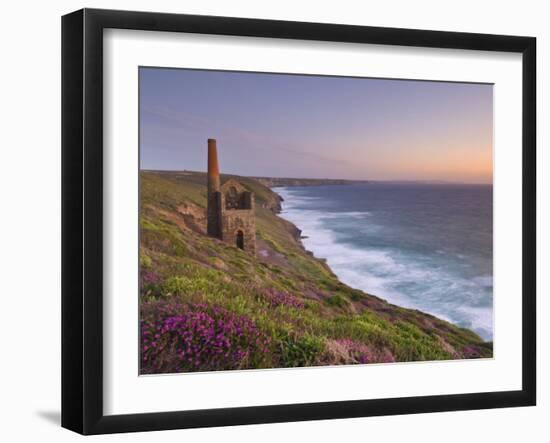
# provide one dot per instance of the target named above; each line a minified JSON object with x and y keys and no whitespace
{"x":404,"y":181}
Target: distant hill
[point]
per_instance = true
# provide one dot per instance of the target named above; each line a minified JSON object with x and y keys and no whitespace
{"x":206,"y":305}
{"x":273,"y":182}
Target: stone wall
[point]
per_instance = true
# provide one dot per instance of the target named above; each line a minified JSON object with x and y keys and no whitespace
{"x":235,"y":220}
{"x":214,"y":210}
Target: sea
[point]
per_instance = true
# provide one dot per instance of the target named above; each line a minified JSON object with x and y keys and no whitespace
{"x":422,"y":246}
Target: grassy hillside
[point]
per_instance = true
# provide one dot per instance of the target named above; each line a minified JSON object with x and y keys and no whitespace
{"x":206,"y":305}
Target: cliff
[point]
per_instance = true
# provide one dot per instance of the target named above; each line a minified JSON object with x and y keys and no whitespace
{"x":273,"y":182}
{"x":280,"y":308}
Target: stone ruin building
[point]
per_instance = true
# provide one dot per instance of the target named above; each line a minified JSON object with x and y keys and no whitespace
{"x":230,"y":207}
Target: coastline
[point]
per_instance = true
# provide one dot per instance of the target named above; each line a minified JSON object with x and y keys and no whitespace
{"x":292,"y":302}
{"x":320,"y":242}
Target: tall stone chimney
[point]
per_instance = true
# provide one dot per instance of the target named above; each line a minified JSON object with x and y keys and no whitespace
{"x":213,"y":167}
{"x":214,"y":196}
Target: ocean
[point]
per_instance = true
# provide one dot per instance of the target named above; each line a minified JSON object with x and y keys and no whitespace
{"x":421,"y":246}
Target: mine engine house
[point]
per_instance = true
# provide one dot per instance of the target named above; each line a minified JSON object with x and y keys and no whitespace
{"x":230,"y":211}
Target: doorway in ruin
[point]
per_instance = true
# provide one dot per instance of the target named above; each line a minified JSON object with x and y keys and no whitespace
{"x":240,"y":239}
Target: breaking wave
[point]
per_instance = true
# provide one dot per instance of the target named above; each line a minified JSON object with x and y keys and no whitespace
{"x":404,"y":277}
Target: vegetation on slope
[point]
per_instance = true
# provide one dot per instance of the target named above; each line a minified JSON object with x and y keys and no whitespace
{"x":206,"y":305}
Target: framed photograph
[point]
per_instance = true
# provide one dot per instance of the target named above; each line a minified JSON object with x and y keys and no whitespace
{"x":268,"y":221}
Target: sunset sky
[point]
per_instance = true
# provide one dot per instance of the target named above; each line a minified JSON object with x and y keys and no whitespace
{"x":317,"y":127}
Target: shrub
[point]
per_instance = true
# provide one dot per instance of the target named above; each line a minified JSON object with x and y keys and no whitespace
{"x":471,"y":352}
{"x":347,"y":351}
{"x":296,"y":351}
{"x":144,"y":260}
{"x":197,"y":337}
{"x":149,"y":283}
{"x":149,"y":278}
{"x":187,"y":286}
{"x":337,"y":300}
{"x":276,"y":298}
{"x":357,"y":351}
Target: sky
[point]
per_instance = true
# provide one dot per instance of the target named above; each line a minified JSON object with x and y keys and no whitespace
{"x":282,"y":125}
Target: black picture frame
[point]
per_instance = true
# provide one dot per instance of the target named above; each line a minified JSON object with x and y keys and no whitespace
{"x":82,"y":218}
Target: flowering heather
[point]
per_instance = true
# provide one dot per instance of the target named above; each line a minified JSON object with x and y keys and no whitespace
{"x":149,"y":282}
{"x":358,"y":352}
{"x":471,"y":352}
{"x":277,"y":298}
{"x":198,"y":337}
{"x":149,"y":278}
{"x":347,"y":351}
